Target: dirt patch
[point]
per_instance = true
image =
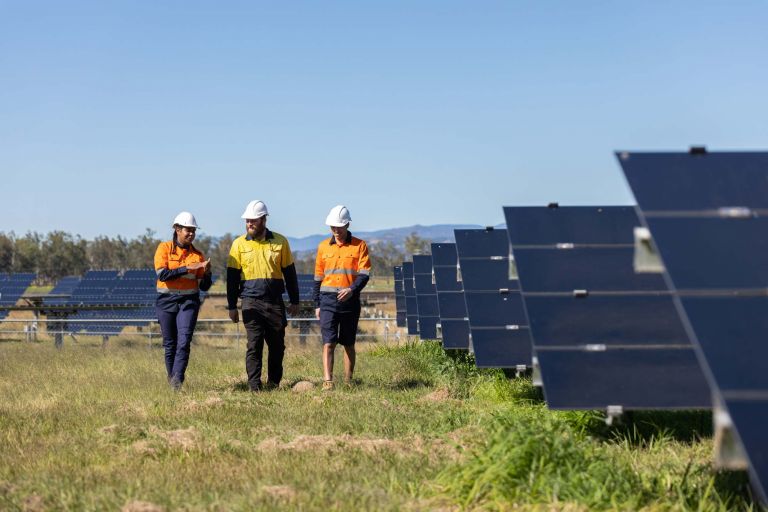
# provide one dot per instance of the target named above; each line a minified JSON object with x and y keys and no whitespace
{"x":438,"y":395}
{"x":335,"y":443}
{"x":143,"y":448}
{"x":141,"y":506}
{"x":280,"y":492}
{"x":186,"y":439}
{"x":109,"y":429}
{"x":434,"y":505}
{"x":435,"y":448}
{"x":213,"y":401}
{"x":194,"y":405}
{"x":133,"y":410}
{"x":6,"y":488}
{"x":302,"y":386}
{"x":33,"y":503}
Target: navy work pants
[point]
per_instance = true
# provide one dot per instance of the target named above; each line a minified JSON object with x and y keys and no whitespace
{"x":264,"y":321}
{"x":177,"y":322}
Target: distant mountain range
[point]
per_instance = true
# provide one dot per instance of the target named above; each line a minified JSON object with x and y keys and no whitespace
{"x":436,"y":233}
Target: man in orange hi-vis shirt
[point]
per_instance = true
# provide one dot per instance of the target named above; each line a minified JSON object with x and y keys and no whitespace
{"x":342,"y":269}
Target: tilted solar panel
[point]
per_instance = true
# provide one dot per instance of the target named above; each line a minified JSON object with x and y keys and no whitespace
{"x":412,"y":311}
{"x":499,"y":330}
{"x":707,"y":215}
{"x":454,"y":324}
{"x":400,"y":312}
{"x":426,"y":297}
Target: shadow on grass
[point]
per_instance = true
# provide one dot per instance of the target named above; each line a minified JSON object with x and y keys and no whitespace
{"x":408,"y":383}
{"x":641,"y":428}
{"x":735,"y":484}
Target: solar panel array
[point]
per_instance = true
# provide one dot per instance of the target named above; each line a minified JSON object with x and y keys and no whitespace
{"x":612,"y":325}
{"x":62,"y":291}
{"x":306,"y":287}
{"x":604,"y":336}
{"x":708,"y":215}
{"x":12,"y":287}
{"x":131,"y":295}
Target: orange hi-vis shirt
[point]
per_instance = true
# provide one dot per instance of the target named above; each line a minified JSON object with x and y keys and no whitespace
{"x":171,"y":262}
{"x":339,"y":266}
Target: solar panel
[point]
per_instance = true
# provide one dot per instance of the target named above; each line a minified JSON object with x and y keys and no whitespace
{"x":411,"y":307}
{"x":604,"y":336}
{"x":400,"y":312}
{"x":454,"y":324}
{"x":499,"y":330}
{"x":13,"y":286}
{"x":426,"y":297}
{"x":707,"y":214}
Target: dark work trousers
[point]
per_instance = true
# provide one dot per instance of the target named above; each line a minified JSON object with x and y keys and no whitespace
{"x":177,"y":316}
{"x":264,"y":321}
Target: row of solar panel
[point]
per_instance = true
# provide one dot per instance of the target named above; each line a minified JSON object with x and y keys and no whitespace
{"x":592,"y":311}
{"x":306,"y":287}
{"x":12,"y":287}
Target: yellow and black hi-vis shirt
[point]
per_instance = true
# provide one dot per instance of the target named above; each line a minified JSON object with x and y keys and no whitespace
{"x":339,"y":266}
{"x":261,"y":269}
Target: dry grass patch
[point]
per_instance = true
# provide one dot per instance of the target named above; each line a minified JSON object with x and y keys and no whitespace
{"x":33,"y":503}
{"x":435,"y":449}
{"x":141,"y":506}
{"x":186,"y":439}
{"x":303,"y":386}
{"x":280,"y":492}
{"x":438,"y":395}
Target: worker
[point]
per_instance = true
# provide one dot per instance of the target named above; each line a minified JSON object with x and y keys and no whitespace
{"x":259,"y":269}
{"x":342,"y":269}
{"x":182,"y":272}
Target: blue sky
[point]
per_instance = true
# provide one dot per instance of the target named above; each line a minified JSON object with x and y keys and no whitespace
{"x":114,"y":116}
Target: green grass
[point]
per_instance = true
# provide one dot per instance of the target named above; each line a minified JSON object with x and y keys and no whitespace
{"x":87,"y":428}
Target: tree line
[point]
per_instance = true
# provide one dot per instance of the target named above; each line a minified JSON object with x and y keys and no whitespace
{"x":57,"y":254}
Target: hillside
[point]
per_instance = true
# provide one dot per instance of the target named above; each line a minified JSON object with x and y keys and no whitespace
{"x":435,"y":233}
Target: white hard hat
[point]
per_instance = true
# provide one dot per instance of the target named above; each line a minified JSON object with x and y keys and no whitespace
{"x":185,"y":219}
{"x":338,"y":217}
{"x":255,"y":210}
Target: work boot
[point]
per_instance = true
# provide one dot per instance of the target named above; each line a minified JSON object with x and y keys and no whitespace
{"x":327,"y":385}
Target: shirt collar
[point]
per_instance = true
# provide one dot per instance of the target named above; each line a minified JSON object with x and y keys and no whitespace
{"x":267,"y":236}
{"x":346,"y":241}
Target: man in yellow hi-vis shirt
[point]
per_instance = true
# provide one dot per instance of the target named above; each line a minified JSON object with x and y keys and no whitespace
{"x":259,"y":268}
{"x":342,"y":269}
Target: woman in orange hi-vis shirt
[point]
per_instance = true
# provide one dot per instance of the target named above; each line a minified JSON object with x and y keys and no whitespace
{"x":182,"y":271}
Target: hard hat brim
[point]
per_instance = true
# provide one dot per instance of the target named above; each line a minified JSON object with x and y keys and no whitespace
{"x":337,"y":224}
{"x":244,"y":216}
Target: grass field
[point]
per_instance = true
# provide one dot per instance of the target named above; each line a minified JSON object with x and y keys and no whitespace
{"x":87,"y":428}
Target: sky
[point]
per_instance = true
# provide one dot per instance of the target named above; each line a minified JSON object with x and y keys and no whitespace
{"x":115,"y":116}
